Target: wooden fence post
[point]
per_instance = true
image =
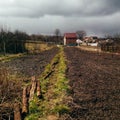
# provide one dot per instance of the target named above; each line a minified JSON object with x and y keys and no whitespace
{"x":38,"y":89}
{"x":24,"y":101}
{"x":17,"y":115}
{"x":33,"y":88}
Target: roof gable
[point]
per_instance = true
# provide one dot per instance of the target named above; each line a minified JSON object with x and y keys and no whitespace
{"x":70,"y":35}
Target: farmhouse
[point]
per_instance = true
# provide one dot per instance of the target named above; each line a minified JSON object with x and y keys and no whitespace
{"x":70,"y":39}
{"x":91,"y":39}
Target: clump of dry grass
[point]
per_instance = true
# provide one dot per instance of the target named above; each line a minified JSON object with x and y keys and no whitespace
{"x":10,"y":91}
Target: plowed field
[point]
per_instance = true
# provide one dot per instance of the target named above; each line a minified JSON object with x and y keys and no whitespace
{"x":95,"y":85}
{"x":14,"y":74}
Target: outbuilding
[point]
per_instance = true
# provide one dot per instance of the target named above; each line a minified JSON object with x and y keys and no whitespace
{"x":70,"y":39}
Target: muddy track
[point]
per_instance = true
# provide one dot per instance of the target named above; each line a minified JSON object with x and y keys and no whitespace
{"x":95,"y":85}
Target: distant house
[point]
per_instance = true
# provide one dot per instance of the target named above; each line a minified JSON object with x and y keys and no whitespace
{"x":70,"y":39}
{"x":91,"y":39}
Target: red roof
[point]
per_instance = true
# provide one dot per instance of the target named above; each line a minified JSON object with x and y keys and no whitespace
{"x":70,"y":35}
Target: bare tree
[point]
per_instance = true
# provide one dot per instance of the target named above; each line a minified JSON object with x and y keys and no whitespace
{"x":57,"y":34}
{"x":12,"y":42}
{"x":81,"y":34}
{"x":3,"y":35}
{"x":115,"y":37}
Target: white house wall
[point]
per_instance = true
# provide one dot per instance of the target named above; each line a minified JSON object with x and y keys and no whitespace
{"x":64,"y":40}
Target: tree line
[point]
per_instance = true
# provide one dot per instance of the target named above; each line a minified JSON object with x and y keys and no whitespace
{"x":115,"y":37}
{"x":12,"y":42}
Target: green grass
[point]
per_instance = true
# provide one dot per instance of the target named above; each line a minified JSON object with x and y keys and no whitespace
{"x":54,"y":89}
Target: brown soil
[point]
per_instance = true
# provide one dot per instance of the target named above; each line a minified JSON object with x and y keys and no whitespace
{"x":23,"y":68}
{"x":95,"y":85}
{"x":31,"y":64}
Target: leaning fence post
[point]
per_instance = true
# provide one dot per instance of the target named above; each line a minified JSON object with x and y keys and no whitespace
{"x":24,"y":101}
{"x":33,"y":88}
{"x":38,"y":89}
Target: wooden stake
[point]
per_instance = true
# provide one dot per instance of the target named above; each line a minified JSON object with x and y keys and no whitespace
{"x":24,"y":101}
{"x":33,"y":88}
{"x":17,"y":115}
{"x":38,"y":89}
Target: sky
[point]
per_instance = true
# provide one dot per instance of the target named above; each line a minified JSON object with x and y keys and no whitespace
{"x":96,"y":17}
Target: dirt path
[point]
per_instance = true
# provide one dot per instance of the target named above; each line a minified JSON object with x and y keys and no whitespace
{"x":95,"y":85}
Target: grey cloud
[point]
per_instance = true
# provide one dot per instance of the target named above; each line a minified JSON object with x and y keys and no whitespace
{"x":43,"y":16}
{"x":38,"y":8}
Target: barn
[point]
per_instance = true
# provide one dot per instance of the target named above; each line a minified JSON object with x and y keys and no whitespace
{"x":70,"y":39}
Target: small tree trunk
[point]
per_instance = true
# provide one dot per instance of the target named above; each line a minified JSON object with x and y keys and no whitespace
{"x":15,"y":48}
{"x":33,"y":88}
{"x":24,"y":101}
{"x":17,"y":115}
{"x":4,"y":48}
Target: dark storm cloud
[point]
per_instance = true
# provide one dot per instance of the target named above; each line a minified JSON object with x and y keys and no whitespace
{"x":43,"y":16}
{"x":38,"y":8}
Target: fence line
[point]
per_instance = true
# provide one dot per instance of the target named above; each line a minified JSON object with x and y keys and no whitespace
{"x":110,"y":48}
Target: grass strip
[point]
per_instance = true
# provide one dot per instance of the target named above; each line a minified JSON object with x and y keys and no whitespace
{"x":54,"y":86}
